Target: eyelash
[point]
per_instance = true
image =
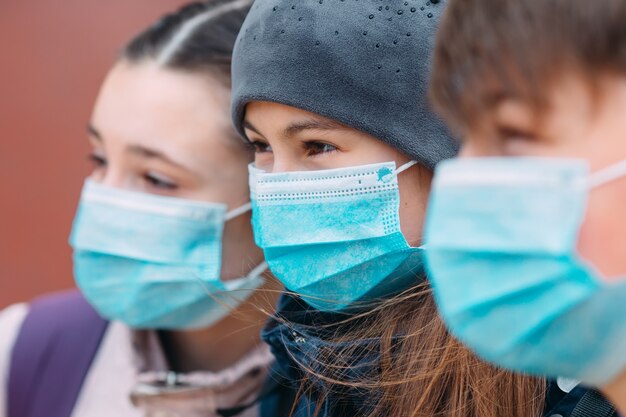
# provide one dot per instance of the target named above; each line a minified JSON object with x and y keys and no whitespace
{"x":312,"y":147}
{"x":315,"y":148}
{"x":153,"y":180}
{"x":260,"y":146}
{"x":157,"y":182}
{"x":97,"y":160}
{"x":506,"y":133}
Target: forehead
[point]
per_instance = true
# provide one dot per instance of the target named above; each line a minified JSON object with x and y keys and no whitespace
{"x":580,"y":119}
{"x":179,"y":113}
{"x":568,"y":93}
{"x":275,"y":119}
{"x":282,"y":113}
{"x":136,"y":92}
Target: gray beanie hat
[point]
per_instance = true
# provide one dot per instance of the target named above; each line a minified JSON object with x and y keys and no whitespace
{"x":364,"y":63}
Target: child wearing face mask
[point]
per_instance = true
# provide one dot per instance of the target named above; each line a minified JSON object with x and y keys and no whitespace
{"x":526,"y":231}
{"x":167,"y":322}
{"x":332,"y":96}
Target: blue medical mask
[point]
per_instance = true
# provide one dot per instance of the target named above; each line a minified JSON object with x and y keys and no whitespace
{"x":154,"y":262}
{"x":501,"y":239}
{"x":333,"y":236}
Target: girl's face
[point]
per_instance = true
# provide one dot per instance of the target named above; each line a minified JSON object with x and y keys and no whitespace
{"x":289,"y":139}
{"x":168,"y":132}
{"x":579,"y":123}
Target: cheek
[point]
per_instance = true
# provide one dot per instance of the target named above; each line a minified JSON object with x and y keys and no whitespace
{"x":264,"y":161}
{"x":470,"y":150}
{"x":601,"y":240}
{"x":239,"y":229}
{"x":414,"y":191}
{"x":97,"y":174}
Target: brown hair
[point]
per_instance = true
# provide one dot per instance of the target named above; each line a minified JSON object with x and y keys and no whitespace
{"x":490,"y":49}
{"x":422,"y":371}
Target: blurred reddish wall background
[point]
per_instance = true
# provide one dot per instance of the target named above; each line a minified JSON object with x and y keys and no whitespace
{"x":53,"y":56}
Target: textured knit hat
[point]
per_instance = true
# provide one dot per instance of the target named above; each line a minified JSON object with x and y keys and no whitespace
{"x":364,"y":63}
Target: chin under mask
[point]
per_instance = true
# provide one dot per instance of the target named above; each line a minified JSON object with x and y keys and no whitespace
{"x":501,"y":238}
{"x":154,"y":262}
{"x":333,"y":236}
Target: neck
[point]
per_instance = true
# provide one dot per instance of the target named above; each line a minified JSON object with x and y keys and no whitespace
{"x":616,"y":392}
{"x":220,"y":346}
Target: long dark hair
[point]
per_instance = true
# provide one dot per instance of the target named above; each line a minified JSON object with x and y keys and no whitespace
{"x":198,"y":37}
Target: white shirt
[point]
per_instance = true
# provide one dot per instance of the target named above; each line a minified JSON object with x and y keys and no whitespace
{"x":119,"y":365}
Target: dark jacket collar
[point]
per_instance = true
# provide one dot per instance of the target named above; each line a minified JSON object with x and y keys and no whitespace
{"x":301,"y":338}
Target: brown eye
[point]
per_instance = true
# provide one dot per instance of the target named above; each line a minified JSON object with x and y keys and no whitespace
{"x":260,"y":146}
{"x":316,"y":148}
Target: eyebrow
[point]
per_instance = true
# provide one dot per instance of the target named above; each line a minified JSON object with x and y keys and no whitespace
{"x":139,"y":150}
{"x":300,"y":126}
{"x":250,"y":126}
{"x":94,"y":132}
{"x":310,"y":124}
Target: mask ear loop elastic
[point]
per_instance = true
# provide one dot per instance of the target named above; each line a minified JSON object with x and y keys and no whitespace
{"x":389,"y":175}
{"x":607,"y":175}
{"x":405,"y":167}
{"x":238,"y":211}
{"x":258,"y":270}
{"x":255,"y":274}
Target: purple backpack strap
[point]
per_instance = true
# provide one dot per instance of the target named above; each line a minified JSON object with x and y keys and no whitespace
{"x":52,"y":355}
